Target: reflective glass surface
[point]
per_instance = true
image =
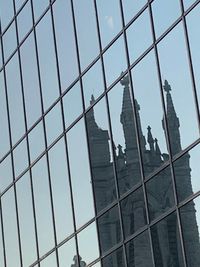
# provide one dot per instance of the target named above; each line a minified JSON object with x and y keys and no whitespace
{"x":99,"y":133}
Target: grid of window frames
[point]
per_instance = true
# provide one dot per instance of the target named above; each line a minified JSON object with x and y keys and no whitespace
{"x":99,"y":133}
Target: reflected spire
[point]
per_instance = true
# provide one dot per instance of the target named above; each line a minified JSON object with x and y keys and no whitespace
{"x":172,"y":120}
{"x":150,"y":139}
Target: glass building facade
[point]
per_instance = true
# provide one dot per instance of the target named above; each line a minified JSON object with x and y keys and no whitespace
{"x":99,"y":133}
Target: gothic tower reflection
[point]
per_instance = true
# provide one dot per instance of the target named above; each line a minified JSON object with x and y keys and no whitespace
{"x":167,"y":249}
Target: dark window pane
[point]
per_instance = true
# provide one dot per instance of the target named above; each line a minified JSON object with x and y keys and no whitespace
{"x":109,"y":229}
{"x":133,"y":212}
{"x":166,"y":242}
{"x":115,"y":259}
{"x":160,"y":193}
{"x":101,"y":155}
{"x":139,"y":252}
{"x":190,"y":226}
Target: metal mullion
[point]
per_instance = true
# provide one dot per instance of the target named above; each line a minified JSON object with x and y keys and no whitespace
{"x":166,"y":131}
{"x":12,"y":160}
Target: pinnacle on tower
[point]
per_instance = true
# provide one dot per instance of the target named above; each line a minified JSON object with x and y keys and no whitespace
{"x":172,"y":121}
{"x":150,"y":139}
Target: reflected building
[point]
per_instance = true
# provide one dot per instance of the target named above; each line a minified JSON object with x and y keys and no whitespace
{"x":160,"y":195}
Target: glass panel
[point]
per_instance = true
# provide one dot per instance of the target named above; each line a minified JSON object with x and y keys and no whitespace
{"x":138,"y":251}
{"x":133,"y":212}
{"x":9,"y":41}
{"x":6,"y":12}
{"x":30,"y":81}
{"x":124,"y":135}
{"x":147,"y":94}
{"x":164,"y":14}
{"x":93,"y":83}
{"x":65,"y":43}
{"x":26,"y":220}
{"x":176,"y":72}
{"x":60,"y":191}
{"x":186,"y":171}
{"x":43,"y":206}
{"x":36,"y":136}
{"x":160,"y":193}
{"x":109,"y":229}
{"x":72,"y":103}
{"x":166,"y":242}
{"x":88,"y":43}
{"x":24,"y":21}
{"x":98,"y":264}
{"x":50,"y":261}
{"x":190,"y":219}
{"x":109,"y":20}
{"x":101,"y":155}
{"x":188,"y":3}
{"x":39,"y":7}
{"x":53,"y":123}
{"x":116,"y":259}
{"x":10,"y":229}
{"x":131,"y":8}
{"x":20,"y":156}
{"x":67,"y":254}
{"x":15,"y":99}
{"x":18,"y":3}
{"x":47,"y":60}
{"x":193,"y":19}
{"x":6,"y":175}
{"x":139,"y":36}
{"x":80,"y":174}
{"x":4,"y":140}
{"x":113,"y":67}
{"x":88,"y":243}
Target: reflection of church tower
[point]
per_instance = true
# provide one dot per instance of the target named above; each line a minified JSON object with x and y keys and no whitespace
{"x":160,"y":194}
{"x":77,"y":260}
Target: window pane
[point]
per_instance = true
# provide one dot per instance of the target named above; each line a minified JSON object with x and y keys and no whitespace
{"x":160,"y":193}
{"x":139,"y":251}
{"x":24,"y":21}
{"x":6,"y":175}
{"x":26,"y":220}
{"x":101,"y":155}
{"x":60,"y":190}
{"x":80,"y":174}
{"x":133,"y":212}
{"x":109,"y":20}
{"x":43,"y":206}
{"x":131,"y":8}
{"x":109,"y":229}
{"x":114,"y":259}
{"x":9,"y":41}
{"x":20,"y":156}
{"x":177,"y":75}
{"x":190,"y":226}
{"x":166,"y":242}
{"x":139,"y":36}
{"x":10,"y":229}
{"x":65,"y":42}
{"x":67,"y":253}
{"x":85,"y":19}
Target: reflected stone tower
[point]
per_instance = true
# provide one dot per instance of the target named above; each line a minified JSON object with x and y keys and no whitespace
{"x":161,"y":197}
